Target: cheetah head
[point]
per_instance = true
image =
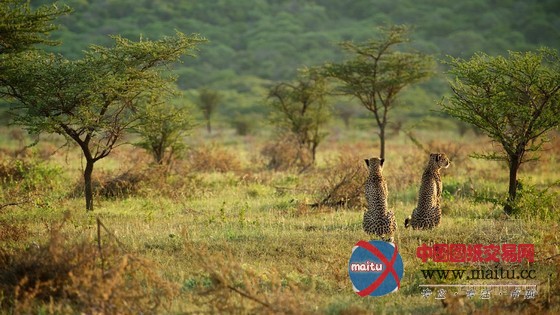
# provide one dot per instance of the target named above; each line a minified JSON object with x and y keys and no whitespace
{"x":440,"y":160}
{"x":375,"y":164}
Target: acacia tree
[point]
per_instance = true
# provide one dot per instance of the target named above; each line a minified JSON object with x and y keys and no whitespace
{"x":378,"y":73}
{"x":21,"y":27}
{"x":514,"y":100}
{"x":345,"y":112}
{"x":300,"y":107}
{"x":208,"y":100}
{"x":162,"y":127}
{"x":91,"y":101}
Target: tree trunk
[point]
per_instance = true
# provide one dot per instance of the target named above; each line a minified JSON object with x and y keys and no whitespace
{"x":159,"y":151}
{"x":208,"y":126}
{"x":314,"y":151}
{"x":382,"y":142}
{"x":512,"y":190}
{"x":87,"y":185}
{"x":346,"y":120}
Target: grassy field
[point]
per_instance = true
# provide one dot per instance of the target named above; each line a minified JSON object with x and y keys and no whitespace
{"x":221,"y":233}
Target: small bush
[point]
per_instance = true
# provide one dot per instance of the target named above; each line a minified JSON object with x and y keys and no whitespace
{"x":68,"y":277}
{"x":27,"y":175}
{"x":162,"y":128}
{"x":454,"y":151}
{"x":245,"y":124}
{"x":343,"y":182}
{"x":286,"y":154}
{"x":532,"y":202}
{"x":175,"y":181}
{"x":13,"y":170}
{"x":212,"y":158}
{"x":125,"y":184}
{"x":12,"y":233}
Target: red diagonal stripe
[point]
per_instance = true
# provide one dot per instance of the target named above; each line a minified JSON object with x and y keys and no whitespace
{"x":389,"y":268}
{"x":390,"y":265}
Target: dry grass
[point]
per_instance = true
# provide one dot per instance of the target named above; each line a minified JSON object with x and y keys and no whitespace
{"x":546,"y":302}
{"x":65,"y":276}
{"x":241,"y":239}
{"x":213,"y":158}
{"x":12,"y":233}
{"x":342,"y":182}
{"x":231,"y":288}
{"x":286,"y":154}
{"x":127,"y":183}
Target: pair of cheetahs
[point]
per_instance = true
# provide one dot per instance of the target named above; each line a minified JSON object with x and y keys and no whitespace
{"x":380,"y":221}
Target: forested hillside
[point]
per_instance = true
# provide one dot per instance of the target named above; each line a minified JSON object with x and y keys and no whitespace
{"x":255,"y":40}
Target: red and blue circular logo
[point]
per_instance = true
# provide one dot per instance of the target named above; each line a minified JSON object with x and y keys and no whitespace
{"x":375,"y":268}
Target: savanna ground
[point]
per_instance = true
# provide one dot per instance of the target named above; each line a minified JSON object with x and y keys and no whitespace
{"x":218,"y":231}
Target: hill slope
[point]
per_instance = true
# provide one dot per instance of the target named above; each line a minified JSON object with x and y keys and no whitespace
{"x":256,"y":40}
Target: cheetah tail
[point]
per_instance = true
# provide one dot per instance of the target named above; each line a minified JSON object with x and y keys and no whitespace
{"x":407,"y":221}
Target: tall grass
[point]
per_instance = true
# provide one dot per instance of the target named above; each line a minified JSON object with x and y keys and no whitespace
{"x":218,"y":233}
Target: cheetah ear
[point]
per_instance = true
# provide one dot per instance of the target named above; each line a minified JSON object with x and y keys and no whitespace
{"x":437,"y":156}
{"x":367,"y":162}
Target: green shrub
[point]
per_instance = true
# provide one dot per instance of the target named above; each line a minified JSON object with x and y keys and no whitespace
{"x":532,"y":202}
{"x":28,"y":175}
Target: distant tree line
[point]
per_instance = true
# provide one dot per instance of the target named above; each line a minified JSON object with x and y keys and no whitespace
{"x":251,"y":42}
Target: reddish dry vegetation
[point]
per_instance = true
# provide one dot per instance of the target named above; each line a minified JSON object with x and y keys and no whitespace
{"x":85,"y":276}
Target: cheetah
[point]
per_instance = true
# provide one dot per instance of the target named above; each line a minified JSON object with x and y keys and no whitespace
{"x":377,"y":219}
{"x":427,"y":214}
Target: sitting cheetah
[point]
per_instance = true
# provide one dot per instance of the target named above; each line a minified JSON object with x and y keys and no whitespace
{"x":377,"y":219}
{"x":427,"y":214}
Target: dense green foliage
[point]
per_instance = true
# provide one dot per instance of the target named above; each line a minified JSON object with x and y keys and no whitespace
{"x":300,"y":110}
{"x":255,"y":40}
{"x":513,"y":100}
{"x":162,"y":127}
{"x":91,"y":101}
{"x":21,"y":27}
